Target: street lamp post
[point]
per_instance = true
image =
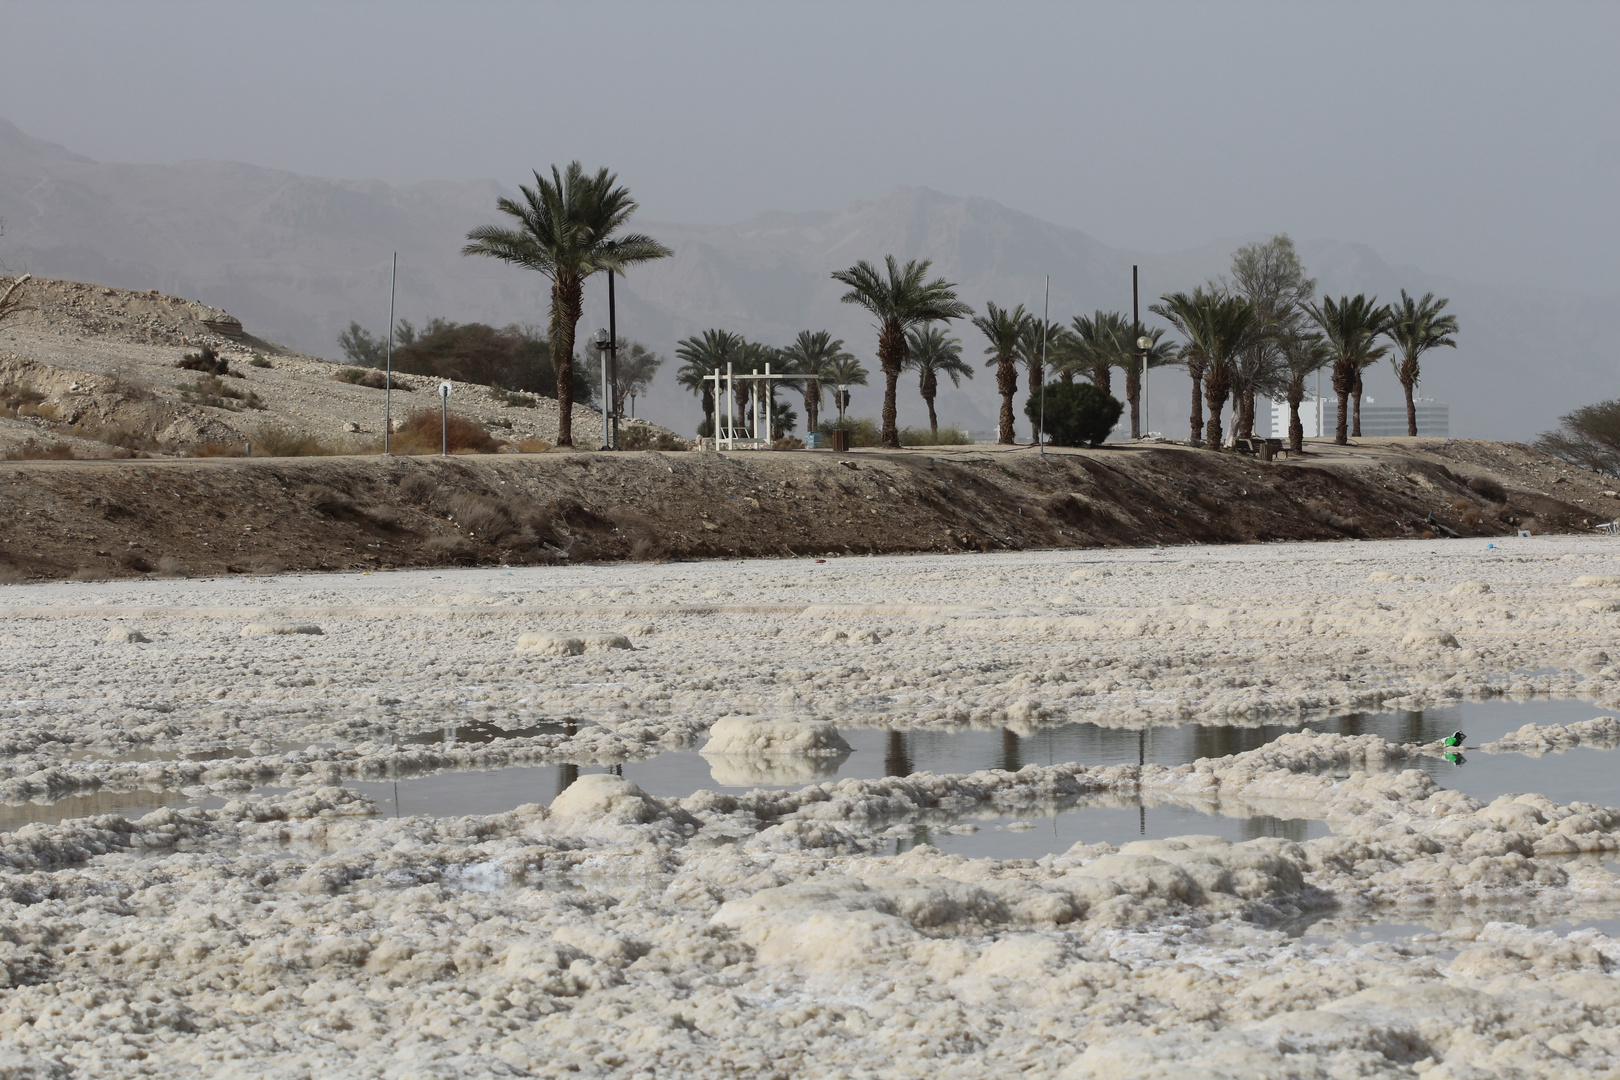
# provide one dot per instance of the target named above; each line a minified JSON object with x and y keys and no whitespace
{"x":603,"y":345}
{"x":1144,"y":345}
{"x":444,"y":419}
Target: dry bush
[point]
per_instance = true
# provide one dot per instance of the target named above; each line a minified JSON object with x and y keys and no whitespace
{"x":219,"y":449}
{"x":326,"y":500}
{"x":89,"y":573}
{"x":34,"y":451}
{"x":450,"y":549}
{"x":260,"y":362}
{"x":479,"y":517}
{"x":1461,"y":505}
{"x":265,"y":564}
{"x":420,"y":434}
{"x":641,"y":533}
{"x":127,"y":386}
{"x":213,"y":392}
{"x":12,"y":575}
{"x":272,"y":440}
{"x":531,"y":445}
{"x":643,"y":438}
{"x":169,"y":566}
{"x":418,"y":488}
{"x":132,"y":560}
{"x":17,"y":396}
{"x":512,"y":400}
{"x":129,"y":441}
{"x":385,"y":517}
{"x":372,"y":378}
{"x":1488,"y":488}
{"x":208,"y":361}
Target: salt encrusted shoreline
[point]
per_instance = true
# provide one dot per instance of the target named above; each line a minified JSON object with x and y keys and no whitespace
{"x":613,"y":933}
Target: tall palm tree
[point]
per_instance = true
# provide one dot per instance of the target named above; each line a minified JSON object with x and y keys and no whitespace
{"x":1004,"y":328}
{"x":565,"y":230}
{"x":843,"y":370}
{"x":1035,"y":352}
{"x":900,"y":301}
{"x":811,"y":351}
{"x":1351,"y":326}
{"x":1304,"y":354}
{"x":1102,"y":341}
{"x":1416,"y":326}
{"x":705,"y":355}
{"x":1217,"y":327}
{"x":934,"y":353}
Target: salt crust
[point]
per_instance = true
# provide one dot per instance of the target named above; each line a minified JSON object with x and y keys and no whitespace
{"x":1600,"y":733}
{"x":260,"y":629}
{"x":699,"y":937}
{"x":764,"y":934}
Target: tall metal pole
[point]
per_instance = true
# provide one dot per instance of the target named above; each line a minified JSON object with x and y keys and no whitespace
{"x":613,"y":358}
{"x":1136,"y":336}
{"x":388,"y":386}
{"x":1046,"y":315}
{"x":607,"y":400}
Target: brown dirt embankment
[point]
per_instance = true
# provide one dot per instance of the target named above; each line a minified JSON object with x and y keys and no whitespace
{"x":215,"y":516}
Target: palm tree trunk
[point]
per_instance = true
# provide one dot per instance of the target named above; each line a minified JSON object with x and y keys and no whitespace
{"x":892,"y":355}
{"x":1246,"y":428}
{"x":1007,"y":383}
{"x":1196,"y":419}
{"x":1411,"y":408}
{"x":567,"y":300}
{"x":1344,"y":380}
{"x":1296,"y":429}
{"x":1133,"y":392}
{"x":708,"y":410}
{"x":812,"y":405}
{"x":1102,"y":377}
{"x":1341,"y":429}
{"x":1216,"y":388}
{"x":1355,"y":432}
{"x":933,"y":421}
{"x":930,"y":390}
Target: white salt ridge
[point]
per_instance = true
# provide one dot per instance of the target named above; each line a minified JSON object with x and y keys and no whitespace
{"x":306,"y":934}
{"x":1600,"y":733}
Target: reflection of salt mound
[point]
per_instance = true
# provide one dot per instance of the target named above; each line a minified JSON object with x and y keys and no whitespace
{"x":754,"y":736}
{"x":749,"y":770}
{"x":746,"y":750}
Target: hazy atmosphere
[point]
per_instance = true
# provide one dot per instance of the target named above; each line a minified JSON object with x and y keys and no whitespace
{"x":1470,"y":149}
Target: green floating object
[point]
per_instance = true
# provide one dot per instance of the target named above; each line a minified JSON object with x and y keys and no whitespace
{"x":1454,"y":739}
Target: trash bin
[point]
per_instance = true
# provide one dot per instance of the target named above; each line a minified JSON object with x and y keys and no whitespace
{"x":814,"y":440}
{"x":1267,"y":451}
{"x":840,"y":441}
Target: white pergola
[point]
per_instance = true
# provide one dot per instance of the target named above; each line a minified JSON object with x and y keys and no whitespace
{"x":726,"y":429}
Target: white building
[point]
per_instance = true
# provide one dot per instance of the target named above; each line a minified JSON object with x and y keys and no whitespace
{"x":1319,"y":416}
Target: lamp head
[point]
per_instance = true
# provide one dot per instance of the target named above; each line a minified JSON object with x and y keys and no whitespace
{"x":602,"y":338}
{"x":1144,"y":343}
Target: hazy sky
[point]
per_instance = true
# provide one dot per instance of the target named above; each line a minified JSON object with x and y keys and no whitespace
{"x":1477,"y":139}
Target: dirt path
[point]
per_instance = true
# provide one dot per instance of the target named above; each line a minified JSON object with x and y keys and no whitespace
{"x":211,"y":516}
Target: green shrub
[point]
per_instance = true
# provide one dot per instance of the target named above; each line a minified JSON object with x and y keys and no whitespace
{"x":1077,"y":414}
{"x":945,"y":436}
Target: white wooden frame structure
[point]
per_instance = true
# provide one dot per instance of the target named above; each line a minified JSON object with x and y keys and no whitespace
{"x":726,"y":429}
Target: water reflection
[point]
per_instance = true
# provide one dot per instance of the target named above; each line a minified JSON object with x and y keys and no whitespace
{"x":484,"y":731}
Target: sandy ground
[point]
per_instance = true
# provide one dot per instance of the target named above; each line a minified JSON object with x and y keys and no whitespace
{"x":130,"y":519}
{"x":614,"y":934}
{"x":104,"y":358}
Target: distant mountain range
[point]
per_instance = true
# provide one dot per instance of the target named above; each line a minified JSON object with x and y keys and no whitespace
{"x":296,"y":258}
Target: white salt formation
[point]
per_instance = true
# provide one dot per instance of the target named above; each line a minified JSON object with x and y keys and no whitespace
{"x":262,"y":629}
{"x":615,"y":933}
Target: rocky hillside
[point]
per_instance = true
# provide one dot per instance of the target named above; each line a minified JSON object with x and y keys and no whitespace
{"x":90,"y":371}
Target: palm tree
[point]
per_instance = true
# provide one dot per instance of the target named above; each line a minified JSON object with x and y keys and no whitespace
{"x":843,"y":371}
{"x":934,"y":353}
{"x":1217,"y":327}
{"x":1034,"y":352}
{"x":1100,"y":343}
{"x":1350,"y":325}
{"x":706,"y":355}
{"x":899,"y":302}
{"x":565,"y":230}
{"x":1004,"y":329}
{"x":1304,"y":354}
{"x":752,"y":358}
{"x":810,"y":352}
{"x":1416,"y":326}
